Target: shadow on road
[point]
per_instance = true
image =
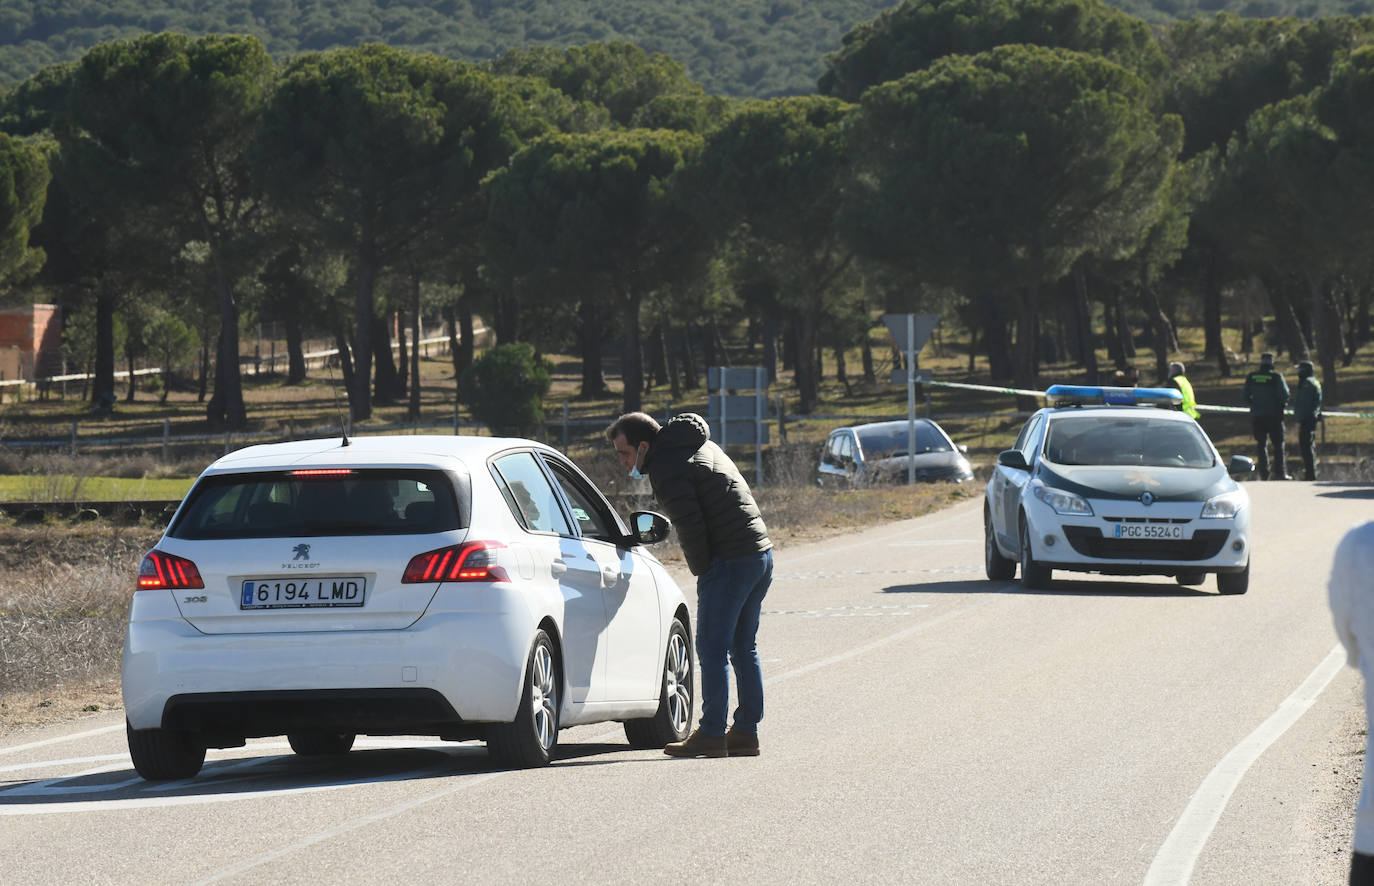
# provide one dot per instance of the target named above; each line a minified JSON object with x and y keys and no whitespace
{"x":1345,"y":490}
{"x":1061,"y":587}
{"x":242,"y":777}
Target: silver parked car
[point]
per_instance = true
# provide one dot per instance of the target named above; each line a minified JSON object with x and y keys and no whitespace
{"x":864,"y":455}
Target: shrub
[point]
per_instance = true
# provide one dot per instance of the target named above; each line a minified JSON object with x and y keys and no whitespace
{"x":505,"y":389}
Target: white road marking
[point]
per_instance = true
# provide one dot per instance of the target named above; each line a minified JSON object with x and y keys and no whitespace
{"x":1173,"y":864}
{"x":47,"y":741}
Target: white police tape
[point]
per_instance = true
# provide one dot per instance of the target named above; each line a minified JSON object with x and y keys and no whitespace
{"x":1022,"y":392}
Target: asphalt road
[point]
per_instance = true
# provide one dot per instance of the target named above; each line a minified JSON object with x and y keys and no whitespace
{"x":924,"y":725}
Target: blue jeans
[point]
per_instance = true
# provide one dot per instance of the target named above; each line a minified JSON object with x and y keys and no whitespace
{"x":729,"y":601}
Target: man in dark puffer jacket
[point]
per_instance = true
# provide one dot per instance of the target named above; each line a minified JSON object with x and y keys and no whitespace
{"x":727,"y":548}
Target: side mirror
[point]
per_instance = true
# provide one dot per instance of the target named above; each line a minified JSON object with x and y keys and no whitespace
{"x":1240,"y":465}
{"x":962,"y":447}
{"x":1013,"y":458}
{"x":649,"y":528}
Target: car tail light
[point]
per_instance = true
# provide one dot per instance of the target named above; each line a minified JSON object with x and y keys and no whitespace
{"x":160,"y":570}
{"x":471,"y":561}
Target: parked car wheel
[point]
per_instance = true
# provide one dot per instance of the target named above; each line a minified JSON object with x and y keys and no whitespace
{"x":1191,"y":578}
{"x":529,"y":741}
{"x":164,"y":754}
{"x":1033,"y":575}
{"x":320,"y":744}
{"x":998,"y":568}
{"x":1234,"y":582}
{"x":673,"y":720}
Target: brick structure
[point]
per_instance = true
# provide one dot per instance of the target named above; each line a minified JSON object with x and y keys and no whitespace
{"x":30,"y":342}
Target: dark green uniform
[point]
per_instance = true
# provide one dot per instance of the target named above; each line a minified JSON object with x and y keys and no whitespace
{"x":1266,"y":392}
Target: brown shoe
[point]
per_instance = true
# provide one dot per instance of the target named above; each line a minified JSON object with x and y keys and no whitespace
{"x":698,"y":744}
{"x":742,"y":744}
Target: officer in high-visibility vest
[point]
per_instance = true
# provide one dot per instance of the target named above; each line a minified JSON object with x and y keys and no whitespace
{"x":1178,"y":380}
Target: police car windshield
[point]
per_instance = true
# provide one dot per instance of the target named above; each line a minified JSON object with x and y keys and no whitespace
{"x":890,"y":438}
{"x":1127,"y":440}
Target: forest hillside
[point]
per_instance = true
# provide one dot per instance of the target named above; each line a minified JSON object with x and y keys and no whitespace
{"x":760,"y":48}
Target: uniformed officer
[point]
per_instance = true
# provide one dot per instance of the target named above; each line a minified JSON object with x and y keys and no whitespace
{"x":1178,"y":380}
{"x":1307,"y":409}
{"x":1266,"y":392}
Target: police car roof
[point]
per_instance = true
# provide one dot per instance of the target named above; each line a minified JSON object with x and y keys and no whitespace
{"x":1099,"y":395}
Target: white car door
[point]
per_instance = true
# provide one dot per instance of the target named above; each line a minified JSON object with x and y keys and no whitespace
{"x":634,"y":666}
{"x":584,"y":643}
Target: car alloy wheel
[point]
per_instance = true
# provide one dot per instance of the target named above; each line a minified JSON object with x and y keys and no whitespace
{"x":529,"y":740}
{"x":673,"y":719}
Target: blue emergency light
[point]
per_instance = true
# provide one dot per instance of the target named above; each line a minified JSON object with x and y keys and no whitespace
{"x":1096,"y":395}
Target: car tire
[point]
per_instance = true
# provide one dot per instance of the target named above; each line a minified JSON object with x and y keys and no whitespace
{"x":164,"y":754}
{"x":998,"y":568}
{"x":528,"y":742}
{"x":320,"y":744}
{"x":676,"y":703}
{"x":1033,"y":575}
{"x":1234,"y":582}
{"x":1190,"y":578}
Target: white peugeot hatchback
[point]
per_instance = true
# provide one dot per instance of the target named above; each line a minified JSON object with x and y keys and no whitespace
{"x":462,"y":587}
{"x":1101,"y":480}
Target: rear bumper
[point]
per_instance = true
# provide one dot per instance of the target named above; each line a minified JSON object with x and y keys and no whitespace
{"x":447,"y":668}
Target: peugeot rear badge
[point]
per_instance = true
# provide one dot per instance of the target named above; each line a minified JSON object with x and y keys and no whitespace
{"x":1146,"y":499}
{"x":302,"y":552}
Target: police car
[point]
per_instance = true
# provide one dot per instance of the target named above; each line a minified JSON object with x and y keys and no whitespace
{"x":1102,"y":480}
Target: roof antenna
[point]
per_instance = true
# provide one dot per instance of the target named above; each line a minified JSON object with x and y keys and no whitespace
{"x":333,"y":386}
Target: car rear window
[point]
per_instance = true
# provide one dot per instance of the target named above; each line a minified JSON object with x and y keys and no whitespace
{"x":1133,"y":440}
{"x":296,"y":504}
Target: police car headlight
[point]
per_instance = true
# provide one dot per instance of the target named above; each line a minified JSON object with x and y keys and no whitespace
{"x":1065,"y":504}
{"x":1225,"y":506}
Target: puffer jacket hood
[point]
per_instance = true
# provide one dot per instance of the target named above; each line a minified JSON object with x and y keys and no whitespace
{"x":686,"y":431}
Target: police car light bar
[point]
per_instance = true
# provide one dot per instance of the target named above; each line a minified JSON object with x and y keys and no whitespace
{"x":1095,"y":395}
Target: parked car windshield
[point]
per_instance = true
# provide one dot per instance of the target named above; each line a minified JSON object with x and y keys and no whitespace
{"x":1133,"y":440}
{"x":887,"y":440}
{"x":293,"y":504}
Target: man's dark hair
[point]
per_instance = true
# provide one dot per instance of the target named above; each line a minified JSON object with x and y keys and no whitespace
{"x":638,"y":427}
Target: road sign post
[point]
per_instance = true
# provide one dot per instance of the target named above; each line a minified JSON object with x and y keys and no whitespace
{"x":739,"y":419}
{"x":910,"y":332}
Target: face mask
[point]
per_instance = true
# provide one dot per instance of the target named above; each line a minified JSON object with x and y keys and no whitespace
{"x":635,"y":472}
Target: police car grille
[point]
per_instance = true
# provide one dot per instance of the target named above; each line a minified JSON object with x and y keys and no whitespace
{"x":1089,"y":542}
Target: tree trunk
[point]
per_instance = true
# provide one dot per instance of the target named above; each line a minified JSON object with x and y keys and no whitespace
{"x":1290,"y":332}
{"x":295,"y":352}
{"x":589,"y":337}
{"x":770,"y":348}
{"x":507,"y":304}
{"x":1162,"y":330}
{"x":670,"y":355}
{"x":103,"y":384}
{"x":1326,"y":332}
{"x":226,"y":409}
{"x":385,"y":374}
{"x":1083,"y":313}
{"x":402,"y":356}
{"x":129,"y":357}
{"x":1025,"y":370}
{"x":413,"y":412}
{"x":204,"y":380}
{"x":1123,"y":331}
{"x":841,"y":370}
{"x":360,"y":400}
{"x":803,"y":331}
{"x":866,"y":353}
{"x":345,"y":359}
{"x":467,"y":344}
{"x":995,"y":338}
{"x":632,"y":372}
{"x":691,"y":376}
{"x":451,"y":329}
{"x":1212,"y":345}
{"x":658,"y":356}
